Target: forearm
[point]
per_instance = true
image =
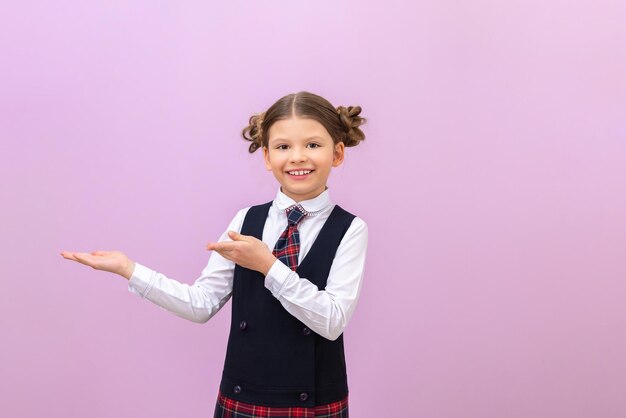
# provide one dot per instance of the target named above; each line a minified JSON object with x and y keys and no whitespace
{"x":197,"y":302}
{"x":319,"y":310}
{"x":327,"y":311}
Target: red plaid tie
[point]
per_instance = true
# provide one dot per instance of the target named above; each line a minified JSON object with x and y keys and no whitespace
{"x":288,"y":245}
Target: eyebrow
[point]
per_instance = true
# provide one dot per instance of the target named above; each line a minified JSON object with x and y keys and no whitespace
{"x":287,"y":139}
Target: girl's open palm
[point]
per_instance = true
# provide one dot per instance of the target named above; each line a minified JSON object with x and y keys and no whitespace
{"x":113,"y":261}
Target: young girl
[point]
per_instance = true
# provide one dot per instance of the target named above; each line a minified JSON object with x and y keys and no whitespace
{"x":293,"y":267}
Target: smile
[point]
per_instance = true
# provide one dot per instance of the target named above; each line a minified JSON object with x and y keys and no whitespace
{"x":299,"y":172}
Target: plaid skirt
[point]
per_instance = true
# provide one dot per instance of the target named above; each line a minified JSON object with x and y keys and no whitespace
{"x":229,"y":408}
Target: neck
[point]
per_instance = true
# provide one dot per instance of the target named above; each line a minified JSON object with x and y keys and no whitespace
{"x":298,"y":198}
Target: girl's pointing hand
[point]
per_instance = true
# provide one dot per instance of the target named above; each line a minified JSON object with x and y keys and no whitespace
{"x":245,"y":250}
{"x":111,"y":261}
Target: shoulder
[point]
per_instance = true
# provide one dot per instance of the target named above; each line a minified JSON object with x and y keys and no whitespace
{"x":237,"y":220}
{"x":358,"y":226}
{"x":356,"y":237}
{"x":356,"y":221}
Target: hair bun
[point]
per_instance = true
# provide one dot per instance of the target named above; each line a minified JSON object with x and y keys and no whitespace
{"x":254,"y":131}
{"x":351,"y":121}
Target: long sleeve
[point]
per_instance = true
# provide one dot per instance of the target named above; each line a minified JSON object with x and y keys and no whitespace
{"x":197,"y":302}
{"x":327,"y":312}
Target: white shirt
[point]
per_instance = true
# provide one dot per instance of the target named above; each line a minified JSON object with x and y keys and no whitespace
{"x":327,"y":312}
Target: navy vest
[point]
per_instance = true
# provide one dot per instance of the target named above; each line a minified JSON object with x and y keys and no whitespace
{"x":272,"y":358}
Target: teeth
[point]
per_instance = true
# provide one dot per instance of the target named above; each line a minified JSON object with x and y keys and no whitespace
{"x":299,"y":172}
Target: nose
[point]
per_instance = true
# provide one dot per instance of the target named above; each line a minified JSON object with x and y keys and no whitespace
{"x":298,"y":154}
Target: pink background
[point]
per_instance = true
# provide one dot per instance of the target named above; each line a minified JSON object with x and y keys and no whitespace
{"x":497,"y":129}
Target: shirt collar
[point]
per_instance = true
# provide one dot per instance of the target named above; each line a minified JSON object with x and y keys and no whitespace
{"x":319,"y":202}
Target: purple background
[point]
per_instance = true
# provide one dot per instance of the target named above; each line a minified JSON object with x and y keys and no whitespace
{"x":497,"y":131}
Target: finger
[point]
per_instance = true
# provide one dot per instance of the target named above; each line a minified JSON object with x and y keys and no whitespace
{"x":86,"y":259}
{"x":220,"y":246}
{"x":80,"y":257}
{"x":68,"y":255}
{"x":100,"y":252}
{"x":236,"y":236}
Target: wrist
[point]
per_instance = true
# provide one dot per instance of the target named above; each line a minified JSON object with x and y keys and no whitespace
{"x":267,"y":264}
{"x":128,"y":270}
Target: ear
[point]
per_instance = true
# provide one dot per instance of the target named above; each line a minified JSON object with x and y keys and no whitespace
{"x":266,"y":158}
{"x":339,"y":154}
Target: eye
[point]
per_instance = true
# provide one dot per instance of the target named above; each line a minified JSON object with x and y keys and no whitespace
{"x":283,"y":146}
{"x":314,"y":145}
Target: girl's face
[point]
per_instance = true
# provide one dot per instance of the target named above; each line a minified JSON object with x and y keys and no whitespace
{"x":301,"y":153}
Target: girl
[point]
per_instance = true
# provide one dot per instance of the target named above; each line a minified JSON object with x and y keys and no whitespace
{"x":293,"y":267}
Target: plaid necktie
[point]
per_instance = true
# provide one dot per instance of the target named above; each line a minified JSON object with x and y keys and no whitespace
{"x":288,"y":245}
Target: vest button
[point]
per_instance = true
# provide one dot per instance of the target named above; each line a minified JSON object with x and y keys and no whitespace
{"x":304,"y":396}
{"x":243,"y":325}
{"x":306,"y":331}
{"x":237,"y":390}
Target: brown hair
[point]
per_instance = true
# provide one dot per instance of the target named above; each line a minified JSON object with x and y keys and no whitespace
{"x":342,"y":123}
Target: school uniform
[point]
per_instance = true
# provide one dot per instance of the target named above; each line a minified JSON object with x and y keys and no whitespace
{"x":285,"y":352}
